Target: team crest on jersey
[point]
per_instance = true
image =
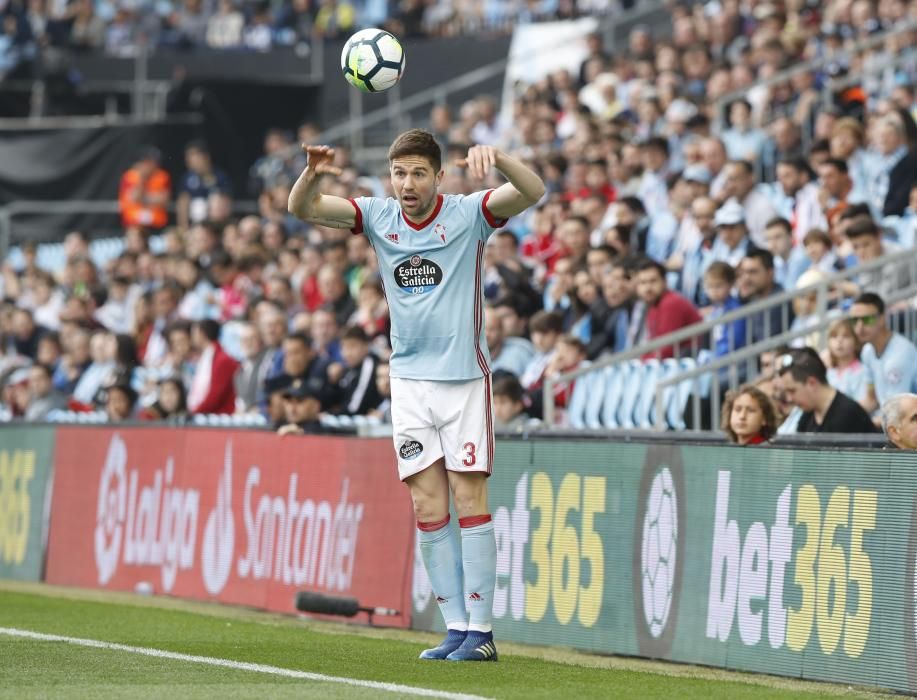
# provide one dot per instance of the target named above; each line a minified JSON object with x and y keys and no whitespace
{"x":440,"y":230}
{"x":410,"y":449}
{"x":393,"y":237}
{"x":418,"y":275}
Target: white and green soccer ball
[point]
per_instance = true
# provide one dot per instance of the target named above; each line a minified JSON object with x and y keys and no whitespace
{"x":372,"y":60}
{"x":659,"y":551}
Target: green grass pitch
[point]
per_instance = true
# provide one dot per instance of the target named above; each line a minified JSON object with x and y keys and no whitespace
{"x":32,"y":668}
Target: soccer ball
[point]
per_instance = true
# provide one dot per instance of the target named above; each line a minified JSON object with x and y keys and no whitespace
{"x":372,"y":60}
{"x":660,"y":545}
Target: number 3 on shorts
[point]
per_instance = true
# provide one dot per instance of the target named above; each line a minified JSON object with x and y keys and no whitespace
{"x":470,"y":457}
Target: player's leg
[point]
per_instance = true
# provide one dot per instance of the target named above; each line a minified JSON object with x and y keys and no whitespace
{"x":467,"y":439}
{"x":442,"y":558}
{"x":421,"y":467}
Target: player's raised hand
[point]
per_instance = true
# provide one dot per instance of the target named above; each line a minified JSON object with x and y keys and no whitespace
{"x":320,"y":160}
{"x":479,"y":161}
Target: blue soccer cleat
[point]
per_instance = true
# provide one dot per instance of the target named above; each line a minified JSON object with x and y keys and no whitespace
{"x":478,"y":646}
{"x":453,"y":641}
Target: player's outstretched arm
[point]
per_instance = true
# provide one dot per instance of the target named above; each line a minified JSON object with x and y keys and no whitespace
{"x":308,"y":204}
{"x":523,"y":189}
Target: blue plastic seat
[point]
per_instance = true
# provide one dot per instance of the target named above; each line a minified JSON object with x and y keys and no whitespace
{"x":614,"y":388}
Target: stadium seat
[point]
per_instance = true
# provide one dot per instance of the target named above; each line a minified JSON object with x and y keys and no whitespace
{"x":643,"y":409}
{"x":675,"y":408}
{"x":576,"y":409}
{"x":614,"y":387}
{"x":595,"y":398}
{"x":631,"y":394}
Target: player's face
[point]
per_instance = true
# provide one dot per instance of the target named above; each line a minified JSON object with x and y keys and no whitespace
{"x":414,"y":183}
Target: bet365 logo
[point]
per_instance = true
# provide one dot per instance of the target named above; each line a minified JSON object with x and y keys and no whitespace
{"x":832,"y":574}
{"x":16,"y":472}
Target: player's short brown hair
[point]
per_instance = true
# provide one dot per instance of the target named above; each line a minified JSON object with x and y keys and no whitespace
{"x":417,"y":142}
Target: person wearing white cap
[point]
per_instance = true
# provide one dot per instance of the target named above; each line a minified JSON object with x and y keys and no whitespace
{"x":732,"y":241}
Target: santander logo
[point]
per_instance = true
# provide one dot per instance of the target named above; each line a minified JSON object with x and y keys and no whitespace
{"x":145,"y":518}
{"x":219,"y":533}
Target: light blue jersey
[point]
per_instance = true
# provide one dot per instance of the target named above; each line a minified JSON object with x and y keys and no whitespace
{"x":895,"y":372}
{"x":432,"y":278}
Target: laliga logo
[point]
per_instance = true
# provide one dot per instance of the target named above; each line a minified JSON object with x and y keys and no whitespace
{"x":111,"y":510}
{"x":219,"y":533}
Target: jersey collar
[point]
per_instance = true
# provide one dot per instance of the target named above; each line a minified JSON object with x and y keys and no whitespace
{"x":426,"y":222}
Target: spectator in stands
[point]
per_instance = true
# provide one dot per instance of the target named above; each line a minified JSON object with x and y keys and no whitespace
{"x":569,"y":355}
{"x":224,"y":28}
{"x":509,"y":404}
{"x":743,"y":141}
{"x":611,"y":318}
{"x":101,"y":370}
{"x":42,"y":397}
{"x":756,"y":206}
{"x":804,"y":380}
{"x":336,"y":297}
{"x":171,"y":403}
{"x":509,"y":354}
{"x":748,"y":416}
{"x":789,"y":259}
{"x":324,"y":330}
{"x":666,"y":311}
{"x":302,"y":405}
{"x":25,"y":334}
{"x":806,"y":312}
{"x":252,"y":369}
{"x":845,"y":371}
{"x":732,"y":242}
{"x":797,"y":197}
{"x":212,"y":389}
{"x":300,"y":361}
{"x":355,"y":377}
{"x":865,"y":237}
{"x":75,"y":360}
{"x":718,"y":283}
{"x":890,"y":358}
{"x":120,"y":400}
{"x":819,"y":252}
{"x":145,"y":192}
{"x":899,"y":420}
{"x":383,"y":410}
{"x":198,"y":185}
{"x":755,"y":282}
{"x":546,"y":327}
{"x":837,"y":190}
{"x":893,"y":169}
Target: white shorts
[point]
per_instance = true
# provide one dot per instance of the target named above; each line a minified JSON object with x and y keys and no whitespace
{"x":433,"y":419}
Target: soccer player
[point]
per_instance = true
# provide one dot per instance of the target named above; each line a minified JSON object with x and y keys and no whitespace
{"x":430,"y":248}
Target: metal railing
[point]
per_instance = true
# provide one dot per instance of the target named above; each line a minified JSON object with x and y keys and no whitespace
{"x":688,"y":341}
{"x":730,"y":362}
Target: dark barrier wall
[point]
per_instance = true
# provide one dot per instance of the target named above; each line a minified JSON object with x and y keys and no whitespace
{"x":25,"y":481}
{"x":793,"y":562}
{"x":238,"y":517}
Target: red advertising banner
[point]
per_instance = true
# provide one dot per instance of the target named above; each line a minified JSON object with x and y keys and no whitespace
{"x":237,"y":517}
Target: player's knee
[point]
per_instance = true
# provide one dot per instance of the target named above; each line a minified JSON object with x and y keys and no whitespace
{"x":470,"y":496}
{"x":429,"y":510}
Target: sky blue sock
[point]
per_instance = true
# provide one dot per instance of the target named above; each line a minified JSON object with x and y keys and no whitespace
{"x":479,"y":560}
{"x":439,"y":548}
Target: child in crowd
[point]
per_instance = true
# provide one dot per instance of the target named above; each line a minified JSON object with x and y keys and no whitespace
{"x":820,"y":251}
{"x":509,"y":404}
{"x":845,"y":372}
{"x":718,"y":282}
{"x":545,"y":328}
{"x":805,"y":308}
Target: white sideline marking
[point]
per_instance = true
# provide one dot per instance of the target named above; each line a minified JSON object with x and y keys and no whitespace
{"x":240,"y":665}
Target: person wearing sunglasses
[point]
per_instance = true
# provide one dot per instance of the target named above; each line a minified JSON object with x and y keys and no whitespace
{"x":803,"y":378}
{"x":890,"y":358}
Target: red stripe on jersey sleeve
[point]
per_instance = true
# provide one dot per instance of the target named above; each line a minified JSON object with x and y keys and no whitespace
{"x":491,"y":219}
{"x":358,"y":223}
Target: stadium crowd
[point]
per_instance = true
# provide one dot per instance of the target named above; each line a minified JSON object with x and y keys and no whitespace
{"x":121,"y":27}
{"x":660,"y":213}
